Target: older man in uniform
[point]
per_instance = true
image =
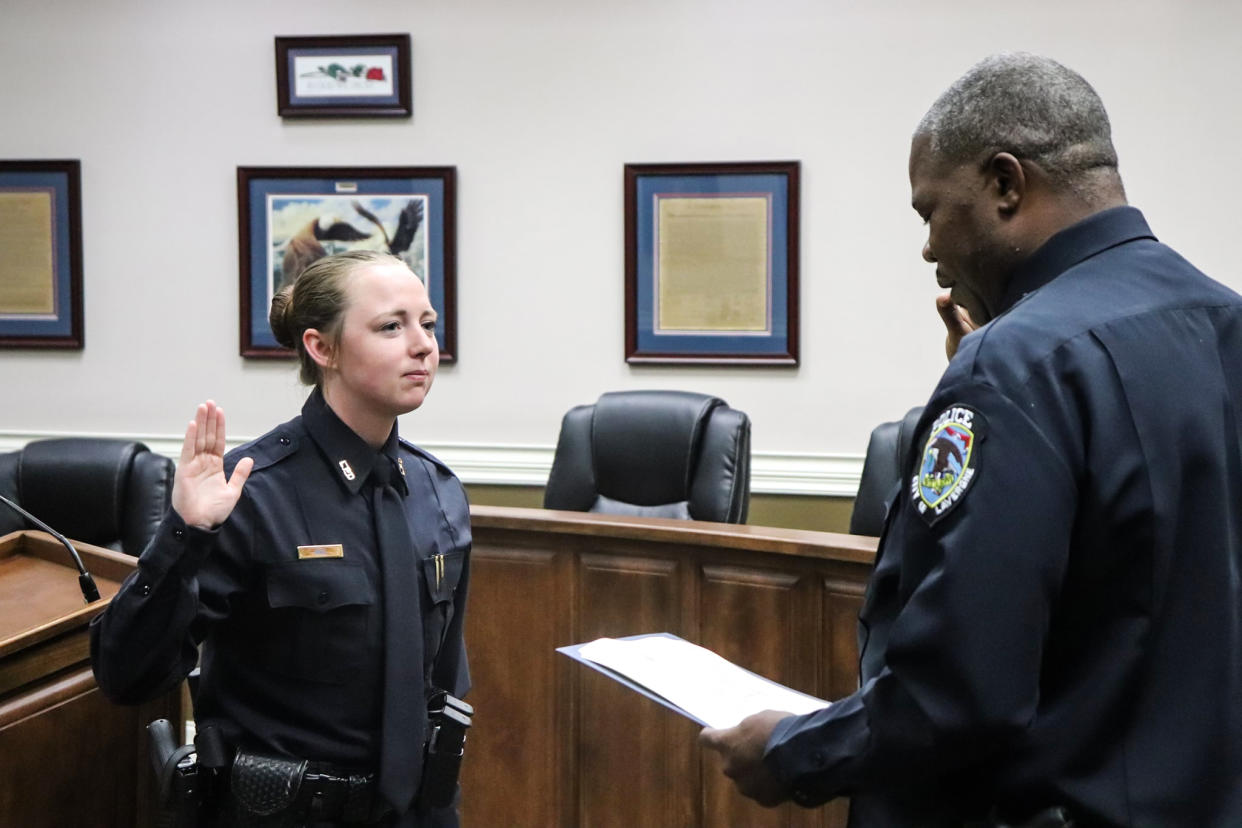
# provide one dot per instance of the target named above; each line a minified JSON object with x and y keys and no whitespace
{"x":1053,"y":631}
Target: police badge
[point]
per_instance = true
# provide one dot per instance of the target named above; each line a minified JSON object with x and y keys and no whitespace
{"x":949,"y":464}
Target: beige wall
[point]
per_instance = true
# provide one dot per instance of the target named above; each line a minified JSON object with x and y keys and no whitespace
{"x":539,"y":105}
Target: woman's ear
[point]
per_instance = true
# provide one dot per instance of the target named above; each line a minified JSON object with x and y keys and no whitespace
{"x":318,"y":347}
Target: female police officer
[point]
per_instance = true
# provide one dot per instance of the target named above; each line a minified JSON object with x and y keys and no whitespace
{"x":322,"y":568}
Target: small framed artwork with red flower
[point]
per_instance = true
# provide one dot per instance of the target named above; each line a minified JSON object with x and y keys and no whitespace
{"x":344,"y":76}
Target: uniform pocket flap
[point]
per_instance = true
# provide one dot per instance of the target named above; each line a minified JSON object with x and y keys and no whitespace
{"x":442,"y":572}
{"x":317,"y":584}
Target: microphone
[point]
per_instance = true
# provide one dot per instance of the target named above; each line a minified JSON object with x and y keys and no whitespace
{"x":89,"y":591}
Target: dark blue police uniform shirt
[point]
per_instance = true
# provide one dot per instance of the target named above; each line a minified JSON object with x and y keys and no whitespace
{"x":1055,"y":615}
{"x":292,"y":641}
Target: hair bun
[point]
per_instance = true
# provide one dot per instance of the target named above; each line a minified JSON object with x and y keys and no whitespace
{"x":278,"y":317}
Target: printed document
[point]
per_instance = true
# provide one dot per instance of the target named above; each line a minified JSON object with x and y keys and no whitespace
{"x":689,"y":679}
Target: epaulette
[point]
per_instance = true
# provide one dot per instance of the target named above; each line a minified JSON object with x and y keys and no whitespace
{"x":267,"y":450}
{"x":426,"y":455}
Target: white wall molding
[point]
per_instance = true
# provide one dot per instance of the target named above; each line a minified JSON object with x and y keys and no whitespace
{"x":779,"y":473}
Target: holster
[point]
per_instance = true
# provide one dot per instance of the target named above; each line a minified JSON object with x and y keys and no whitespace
{"x":182,"y":785}
{"x":448,"y":720}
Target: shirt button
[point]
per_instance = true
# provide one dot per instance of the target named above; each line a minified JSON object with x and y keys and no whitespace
{"x":144,"y":589}
{"x":284,"y":441}
{"x":322,"y":598}
{"x":817,"y":758}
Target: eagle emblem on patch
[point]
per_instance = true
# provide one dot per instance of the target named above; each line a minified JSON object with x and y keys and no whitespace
{"x":949,"y":464}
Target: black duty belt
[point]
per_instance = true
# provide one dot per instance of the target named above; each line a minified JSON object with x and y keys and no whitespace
{"x":262,"y":787}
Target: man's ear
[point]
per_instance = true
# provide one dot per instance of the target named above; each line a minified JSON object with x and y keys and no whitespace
{"x":318,"y":347}
{"x":1008,"y":181}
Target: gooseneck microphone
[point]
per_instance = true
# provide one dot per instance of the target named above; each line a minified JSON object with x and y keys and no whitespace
{"x":89,"y":591}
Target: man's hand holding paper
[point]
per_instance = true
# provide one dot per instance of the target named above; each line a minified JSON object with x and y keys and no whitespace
{"x":741,"y":748}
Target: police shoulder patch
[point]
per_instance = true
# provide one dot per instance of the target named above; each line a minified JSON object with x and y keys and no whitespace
{"x":949,"y":466}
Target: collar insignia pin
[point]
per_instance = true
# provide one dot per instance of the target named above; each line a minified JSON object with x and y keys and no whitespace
{"x":401,"y":466}
{"x":346,"y":470}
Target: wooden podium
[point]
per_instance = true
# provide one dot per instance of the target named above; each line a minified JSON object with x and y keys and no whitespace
{"x":68,"y":756}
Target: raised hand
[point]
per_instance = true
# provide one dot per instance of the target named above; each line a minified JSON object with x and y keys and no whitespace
{"x":957,"y":323}
{"x":201,"y":495}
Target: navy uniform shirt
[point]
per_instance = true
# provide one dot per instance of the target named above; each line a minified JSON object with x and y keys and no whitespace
{"x":286,"y":599}
{"x":1055,"y":616}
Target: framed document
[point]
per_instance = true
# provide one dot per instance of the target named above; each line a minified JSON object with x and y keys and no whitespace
{"x":290,"y":216}
{"x":711,"y":263}
{"x":41,"y":254}
{"x":350,"y":76}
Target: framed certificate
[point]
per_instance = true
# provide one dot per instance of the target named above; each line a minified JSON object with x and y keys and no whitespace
{"x":711,"y":263}
{"x":41,"y":254}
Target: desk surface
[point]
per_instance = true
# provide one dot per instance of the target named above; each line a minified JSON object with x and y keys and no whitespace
{"x":799,"y":542}
{"x":39,"y":592}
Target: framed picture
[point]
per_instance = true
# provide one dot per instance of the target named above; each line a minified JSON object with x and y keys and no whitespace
{"x":290,"y":216}
{"x":711,"y":263}
{"x":348,"y":76}
{"x":41,"y":254}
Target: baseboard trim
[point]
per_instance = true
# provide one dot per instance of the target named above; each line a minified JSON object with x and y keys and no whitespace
{"x":776,"y":473}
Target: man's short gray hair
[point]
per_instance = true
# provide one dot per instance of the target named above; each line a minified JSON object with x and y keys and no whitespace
{"x":1029,"y":106}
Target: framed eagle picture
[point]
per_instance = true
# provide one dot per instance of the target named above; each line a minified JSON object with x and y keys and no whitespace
{"x":290,"y":216}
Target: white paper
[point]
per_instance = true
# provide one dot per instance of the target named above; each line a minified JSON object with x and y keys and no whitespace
{"x":700,"y":682}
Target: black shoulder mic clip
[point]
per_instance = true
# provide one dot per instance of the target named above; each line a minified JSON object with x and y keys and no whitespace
{"x":89,"y":591}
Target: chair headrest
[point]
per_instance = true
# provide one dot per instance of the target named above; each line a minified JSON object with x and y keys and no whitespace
{"x":644,"y":444}
{"x":77,"y":485}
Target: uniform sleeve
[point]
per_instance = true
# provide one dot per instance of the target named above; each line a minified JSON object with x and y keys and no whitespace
{"x":964,"y":644}
{"x":450,"y":670}
{"x":146,"y":640}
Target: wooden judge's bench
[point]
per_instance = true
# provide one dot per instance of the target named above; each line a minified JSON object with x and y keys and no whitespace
{"x":68,"y":757}
{"x":555,"y":743}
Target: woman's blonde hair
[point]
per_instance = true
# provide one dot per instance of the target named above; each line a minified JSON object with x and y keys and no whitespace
{"x":317,"y":299}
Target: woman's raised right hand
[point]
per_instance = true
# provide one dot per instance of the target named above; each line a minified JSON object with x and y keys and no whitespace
{"x":201,"y":495}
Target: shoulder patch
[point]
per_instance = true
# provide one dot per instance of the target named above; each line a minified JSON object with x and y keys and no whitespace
{"x":948,"y":466}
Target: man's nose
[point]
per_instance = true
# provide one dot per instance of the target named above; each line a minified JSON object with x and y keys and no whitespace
{"x":928,"y":255}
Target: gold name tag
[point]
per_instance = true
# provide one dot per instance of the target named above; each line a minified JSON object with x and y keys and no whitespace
{"x":331,"y":550}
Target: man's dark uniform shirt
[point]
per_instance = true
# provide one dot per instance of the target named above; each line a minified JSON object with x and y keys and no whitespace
{"x":286,"y":597}
{"x":1055,"y":616}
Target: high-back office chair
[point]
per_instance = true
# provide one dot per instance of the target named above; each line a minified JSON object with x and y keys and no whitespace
{"x":110,"y":493}
{"x":882,"y":470}
{"x":671,"y":454}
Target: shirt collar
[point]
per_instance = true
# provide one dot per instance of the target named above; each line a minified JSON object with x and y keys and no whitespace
{"x":1076,"y":243}
{"x":349,"y":456}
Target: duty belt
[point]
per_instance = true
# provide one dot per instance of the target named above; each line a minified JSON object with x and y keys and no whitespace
{"x":266,"y":786}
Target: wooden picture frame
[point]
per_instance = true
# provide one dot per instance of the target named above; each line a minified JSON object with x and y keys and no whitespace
{"x":344,"y":76}
{"x":711,"y":263}
{"x":41,"y":255}
{"x":289,"y":216}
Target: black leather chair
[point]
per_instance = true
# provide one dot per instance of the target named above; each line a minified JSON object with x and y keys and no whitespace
{"x":888,"y":452}
{"x":110,"y":493}
{"x":672,"y":454}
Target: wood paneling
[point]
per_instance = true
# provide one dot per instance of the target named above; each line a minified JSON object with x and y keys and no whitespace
{"x":67,"y":755}
{"x":555,"y":743}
